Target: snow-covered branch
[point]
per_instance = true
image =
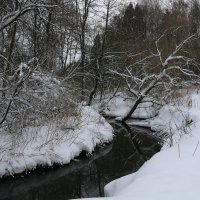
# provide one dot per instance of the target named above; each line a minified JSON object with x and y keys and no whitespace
{"x":11,"y":17}
{"x":174,"y":68}
{"x":173,"y":55}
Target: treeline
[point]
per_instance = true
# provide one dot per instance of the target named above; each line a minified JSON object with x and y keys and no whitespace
{"x":55,"y":36}
{"x":137,"y":35}
{"x":137,"y":28}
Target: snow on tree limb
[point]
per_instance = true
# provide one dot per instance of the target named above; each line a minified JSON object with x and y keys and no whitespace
{"x":11,"y":17}
{"x":173,"y":55}
{"x":142,"y":84}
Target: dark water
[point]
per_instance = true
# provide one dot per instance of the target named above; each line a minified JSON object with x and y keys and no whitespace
{"x":86,"y":178}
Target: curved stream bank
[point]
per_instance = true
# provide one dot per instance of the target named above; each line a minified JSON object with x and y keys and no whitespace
{"x":130,"y":149}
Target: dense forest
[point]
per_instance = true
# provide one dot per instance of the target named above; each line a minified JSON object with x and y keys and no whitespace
{"x":55,"y":54}
{"x":80,"y":75}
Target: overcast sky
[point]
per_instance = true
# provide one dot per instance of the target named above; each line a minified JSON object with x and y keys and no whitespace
{"x":96,"y":18}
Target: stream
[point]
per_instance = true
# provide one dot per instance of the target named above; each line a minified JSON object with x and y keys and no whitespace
{"x":87,"y":177}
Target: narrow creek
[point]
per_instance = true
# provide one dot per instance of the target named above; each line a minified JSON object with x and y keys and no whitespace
{"x":86,"y":178}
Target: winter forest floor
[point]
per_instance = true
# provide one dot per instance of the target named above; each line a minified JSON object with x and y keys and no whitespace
{"x":67,"y":65}
{"x":52,"y":144}
{"x":173,"y":173}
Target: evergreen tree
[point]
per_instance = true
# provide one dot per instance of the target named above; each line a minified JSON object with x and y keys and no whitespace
{"x":96,"y":51}
{"x":127,"y":24}
{"x":139,"y":22}
{"x":96,"y":57}
{"x":195,"y":16}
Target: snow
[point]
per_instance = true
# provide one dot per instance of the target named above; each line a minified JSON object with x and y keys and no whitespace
{"x":143,"y":123}
{"x":42,"y":85}
{"x":173,"y":173}
{"x":53,"y":142}
{"x":121,"y":104}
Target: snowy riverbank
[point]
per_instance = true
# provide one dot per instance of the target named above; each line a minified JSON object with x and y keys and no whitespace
{"x":174,"y":172}
{"x":120,"y":104}
{"x":53,"y":143}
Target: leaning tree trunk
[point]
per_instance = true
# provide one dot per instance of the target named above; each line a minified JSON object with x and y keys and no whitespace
{"x":140,"y":98}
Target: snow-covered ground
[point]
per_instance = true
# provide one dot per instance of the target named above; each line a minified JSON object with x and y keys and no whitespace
{"x":53,"y":142}
{"x":173,"y":173}
{"x":121,"y":104}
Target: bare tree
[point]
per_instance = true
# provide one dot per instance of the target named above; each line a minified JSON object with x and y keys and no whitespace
{"x":22,"y":8}
{"x":97,"y":61}
{"x":83,"y":8}
{"x":169,"y":72}
{"x":13,"y":75}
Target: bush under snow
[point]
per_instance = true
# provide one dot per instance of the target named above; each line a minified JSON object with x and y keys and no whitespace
{"x":44,"y":125}
{"x":52,"y":143}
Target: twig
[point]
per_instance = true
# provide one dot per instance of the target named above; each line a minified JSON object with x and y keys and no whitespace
{"x":196,"y":148}
{"x":179,"y":152}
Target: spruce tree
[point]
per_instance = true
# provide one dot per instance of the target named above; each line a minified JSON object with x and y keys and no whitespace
{"x":96,"y":51}
{"x":127,"y":23}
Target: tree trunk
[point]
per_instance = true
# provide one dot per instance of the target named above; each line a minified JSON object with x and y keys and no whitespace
{"x":140,"y":98}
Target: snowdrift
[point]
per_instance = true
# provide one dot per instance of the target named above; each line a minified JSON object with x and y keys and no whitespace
{"x":174,"y":172}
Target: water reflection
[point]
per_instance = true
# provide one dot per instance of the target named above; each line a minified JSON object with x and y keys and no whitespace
{"x":87,"y":178}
